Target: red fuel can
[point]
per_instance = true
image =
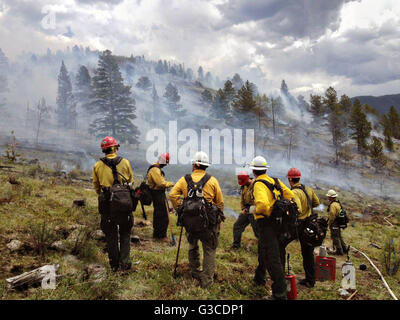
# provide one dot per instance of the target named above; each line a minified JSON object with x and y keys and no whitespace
{"x":291,"y":287}
{"x":325,"y":268}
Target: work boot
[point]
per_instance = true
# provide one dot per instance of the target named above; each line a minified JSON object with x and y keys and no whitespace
{"x":306,"y":283}
{"x":126,"y":266}
{"x":234,"y":247}
{"x":196,"y":275}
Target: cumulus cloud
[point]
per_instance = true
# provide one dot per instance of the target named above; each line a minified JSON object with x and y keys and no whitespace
{"x":311,"y":44}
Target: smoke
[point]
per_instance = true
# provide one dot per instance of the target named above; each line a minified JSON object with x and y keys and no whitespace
{"x":298,"y":142}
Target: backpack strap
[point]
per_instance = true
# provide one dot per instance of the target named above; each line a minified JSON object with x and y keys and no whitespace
{"x":198,"y":185}
{"x":151,"y":167}
{"x":112,"y":164}
{"x":272,"y":187}
{"x":303,"y":188}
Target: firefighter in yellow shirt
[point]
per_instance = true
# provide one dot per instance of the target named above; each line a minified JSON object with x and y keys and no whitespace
{"x":158,"y":185}
{"x":268,"y":241}
{"x":245,"y":218}
{"x":336,"y":233}
{"x":212,"y":194}
{"x":111,"y":225}
{"x":306,"y":200}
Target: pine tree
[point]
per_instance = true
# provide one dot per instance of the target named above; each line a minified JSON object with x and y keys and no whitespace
{"x":229,"y":91}
{"x":208,"y":78}
{"x":394,"y":120}
{"x":159,"y":68}
{"x":378,"y":158}
{"x":262,"y":106}
{"x":244,"y":100}
{"x":66,"y":103}
{"x":360,"y":126}
{"x":330,"y":100}
{"x":387,"y":132}
{"x":206,"y":97}
{"x":345,"y":107}
{"x":243,"y":107}
{"x":83,"y":87}
{"x":336,"y":127}
{"x":144,"y":83}
{"x":220,"y":107}
{"x":112,"y":102}
{"x":316,"y":106}
{"x":172,"y":98}
{"x":42,"y":110}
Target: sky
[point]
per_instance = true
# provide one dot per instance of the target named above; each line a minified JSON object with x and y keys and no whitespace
{"x":352,"y":45}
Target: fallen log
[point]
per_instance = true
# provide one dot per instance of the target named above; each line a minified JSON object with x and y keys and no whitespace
{"x":34,"y":276}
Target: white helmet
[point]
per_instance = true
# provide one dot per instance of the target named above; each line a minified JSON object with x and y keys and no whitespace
{"x":331,"y":193}
{"x":259,"y":163}
{"x":201,"y":158}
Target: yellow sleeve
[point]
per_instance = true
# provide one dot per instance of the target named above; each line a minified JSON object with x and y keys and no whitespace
{"x":219,"y":199}
{"x":333,"y":212}
{"x":130,"y":173}
{"x":96,"y":182}
{"x":176,"y":192}
{"x":158,"y":179}
{"x":315,"y":200}
{"x":242,"y":200}
{"x":261,"y":201}
{"x":287,"y":193}
{"x":298,"y":202}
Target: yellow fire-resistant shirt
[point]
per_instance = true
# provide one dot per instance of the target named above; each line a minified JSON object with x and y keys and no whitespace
{"x":211,"y":190}
{"x":304,"y":208}
{"x":103,"y":176}
{"x":156,"y":180}
{"x":263,"y":198}
{"x":246,"y":199}
{"x":333,"y":212}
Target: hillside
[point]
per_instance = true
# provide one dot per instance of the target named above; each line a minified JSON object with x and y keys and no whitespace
{"x":381,"y":103}
{"x":37,"y":210}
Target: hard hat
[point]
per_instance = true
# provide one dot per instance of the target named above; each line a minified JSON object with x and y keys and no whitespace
{"x":294,"y":173}
{"x":108,"y":142}
{"x":163,"y":158}
{"x":243,"y":177}
{"x":259,"y":163}
{"x":331,"y":193}
{"x":201,"y":158}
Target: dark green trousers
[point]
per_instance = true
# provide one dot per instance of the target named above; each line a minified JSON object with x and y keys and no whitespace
{"x":210,"y":244}
{"x":269,"y":259}
{"x":160,"y":214}
{"x":118,"y":251}
{"x":337,"y":239}
{"x":240,"y":225}
{"x":307,"y":253}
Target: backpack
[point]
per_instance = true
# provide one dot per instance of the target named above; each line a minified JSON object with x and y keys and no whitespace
{"x":314,"y":229}
{"x":196,"y":214}
{"x":143,"y":192}
{"x":342,"y":219}
{"x":116,"y":200}
{"x":284,"y":213}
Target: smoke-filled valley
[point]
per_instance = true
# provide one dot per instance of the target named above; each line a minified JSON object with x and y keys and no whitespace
{"x":288,"y":131}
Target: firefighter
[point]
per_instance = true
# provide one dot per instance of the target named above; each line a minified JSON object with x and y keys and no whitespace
{"x":158,"y":185}
{"x":333,"y":210}
{"x":245,"y":218}
{"x":306,"y":199}
{"x":212,"y":194}
{"x":112,"y":225}
{"x":268,"y":241}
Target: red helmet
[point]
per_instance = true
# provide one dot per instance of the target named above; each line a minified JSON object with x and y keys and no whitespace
{"x":243,"y":177}
{"x":108,"y":142}
{"x":163,"y":158}
{"x":294,"y":173}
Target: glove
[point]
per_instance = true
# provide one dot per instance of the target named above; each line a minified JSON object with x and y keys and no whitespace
{"x":252,"y":209}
